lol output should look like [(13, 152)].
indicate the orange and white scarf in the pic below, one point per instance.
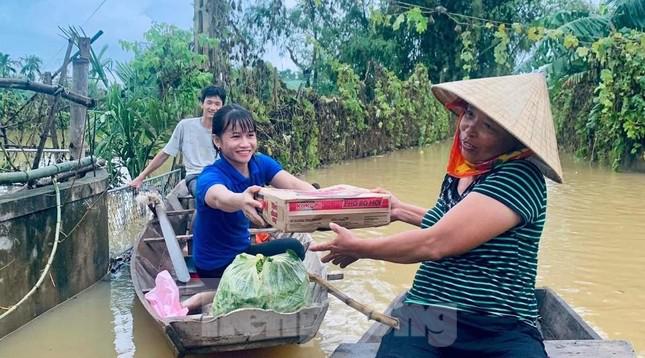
[(459, 167)]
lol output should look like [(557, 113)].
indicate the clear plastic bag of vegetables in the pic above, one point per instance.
[(277, 282)]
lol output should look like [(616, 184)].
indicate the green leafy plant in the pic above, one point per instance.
[(278, 283)]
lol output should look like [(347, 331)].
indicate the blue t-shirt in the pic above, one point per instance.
[(219, 236)]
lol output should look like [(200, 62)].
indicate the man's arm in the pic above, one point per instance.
[(154, 164), (173, 147)]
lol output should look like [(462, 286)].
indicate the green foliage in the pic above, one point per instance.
[(395, 35), (583, 54), (10, 101), (467, 55), (166, 65), (501, 49), (303, 129), (160, 86), (407, 111), (30, 67), (27, 67), (610, 118), (580, 27), (595, 75), (417, 20), (349, 89), (7, 65), (629, 14)]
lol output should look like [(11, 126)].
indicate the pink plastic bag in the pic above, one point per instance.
[(164, 298)]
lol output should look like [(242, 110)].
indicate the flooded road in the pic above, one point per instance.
[(591, 254)]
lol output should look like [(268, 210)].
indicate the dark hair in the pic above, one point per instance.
[(234, 116), (212, 91)]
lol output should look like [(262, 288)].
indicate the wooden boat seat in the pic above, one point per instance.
[(190, 288), (555, 349)]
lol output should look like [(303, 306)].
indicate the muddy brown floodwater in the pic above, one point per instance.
[(591, 253)]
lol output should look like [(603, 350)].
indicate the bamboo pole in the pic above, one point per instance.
[(51, 114), (47, 79), (364, 309), (6, 155), (26, 176), (51, 103), (62, 70), (79, 171), (78, 113), (15, 83)]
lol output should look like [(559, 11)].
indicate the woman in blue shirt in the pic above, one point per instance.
[(225, 201)]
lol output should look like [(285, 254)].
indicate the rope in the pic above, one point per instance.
[(51, 256)]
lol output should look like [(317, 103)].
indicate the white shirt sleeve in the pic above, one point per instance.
[(174, 144)]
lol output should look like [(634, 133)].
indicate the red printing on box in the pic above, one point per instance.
[(336, 204)]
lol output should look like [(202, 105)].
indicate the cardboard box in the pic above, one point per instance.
[(349, 206)]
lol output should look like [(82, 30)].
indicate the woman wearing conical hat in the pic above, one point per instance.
[(473, 293)]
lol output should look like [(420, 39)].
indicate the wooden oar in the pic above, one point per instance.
[(176, 256), (364, 309)]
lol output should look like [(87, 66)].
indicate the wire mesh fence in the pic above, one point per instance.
[(125, 217)]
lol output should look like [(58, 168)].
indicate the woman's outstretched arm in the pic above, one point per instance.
[(475, 220)]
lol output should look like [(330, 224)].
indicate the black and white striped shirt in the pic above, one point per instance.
[(498, 277)]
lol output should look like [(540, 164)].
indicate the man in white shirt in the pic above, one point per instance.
[(191, 137)]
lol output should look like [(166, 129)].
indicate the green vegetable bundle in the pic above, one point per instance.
[(279, 283)]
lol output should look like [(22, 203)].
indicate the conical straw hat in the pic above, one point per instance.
[(518, 103)]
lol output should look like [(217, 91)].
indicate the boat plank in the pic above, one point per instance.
[(589, 348), (555, 349)]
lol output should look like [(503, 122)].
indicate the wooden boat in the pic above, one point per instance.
[(565, 333), (237, 330)]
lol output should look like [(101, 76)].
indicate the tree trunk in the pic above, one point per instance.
[(211, 18), (314, 57)]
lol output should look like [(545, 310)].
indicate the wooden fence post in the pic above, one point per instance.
[(78, 113), (47, 79)]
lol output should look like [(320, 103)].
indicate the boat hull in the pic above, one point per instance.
[(565, 333), (238, 330)]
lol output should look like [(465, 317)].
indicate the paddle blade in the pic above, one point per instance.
[(174, 251)]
